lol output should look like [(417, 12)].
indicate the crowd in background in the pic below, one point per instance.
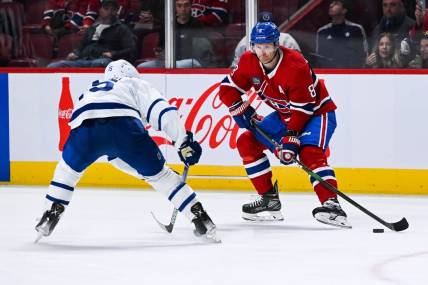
[(209, 33)]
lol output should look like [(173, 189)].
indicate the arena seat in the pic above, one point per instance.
[(67, 44), (12, 19), (150, 41), (42, 47), (34, 11), (5, 49)]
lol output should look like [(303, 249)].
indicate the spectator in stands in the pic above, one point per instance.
[(150, 19), (410, 45), (192, 49), (343, 42), (125, 13), (385, 53), (285, 40), (151, 15), (394, 21), (106, 40), (211, 12), (421, 61), (63, 17)]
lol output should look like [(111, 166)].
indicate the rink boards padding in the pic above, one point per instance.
[(378, 147), (208, 177)]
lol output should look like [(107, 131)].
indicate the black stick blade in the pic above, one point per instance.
[(400, 225)]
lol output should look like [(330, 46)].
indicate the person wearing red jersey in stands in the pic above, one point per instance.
[(210, 12), (302, 123), (62, 17)]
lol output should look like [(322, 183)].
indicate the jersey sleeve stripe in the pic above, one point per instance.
[(101, 106), (162, 113), (302, 110), (305, 108), (232, 84), (302, 104), (151, 107), (322, 103)]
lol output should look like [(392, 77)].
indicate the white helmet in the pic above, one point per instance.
[(118, 69)]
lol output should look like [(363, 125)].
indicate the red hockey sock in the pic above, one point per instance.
[(260, 174), (314, 158), (255, 162)]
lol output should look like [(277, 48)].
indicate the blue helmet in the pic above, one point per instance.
[(264, 33)]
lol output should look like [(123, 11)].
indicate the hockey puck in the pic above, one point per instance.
[(378, 230)]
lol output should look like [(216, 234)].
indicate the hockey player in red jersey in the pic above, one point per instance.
[(303, 122)]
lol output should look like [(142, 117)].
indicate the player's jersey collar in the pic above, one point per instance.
[(273, 71)]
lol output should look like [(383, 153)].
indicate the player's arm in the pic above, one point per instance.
[(162, 116), (232, 88)]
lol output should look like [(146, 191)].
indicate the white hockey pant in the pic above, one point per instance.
[(62, 185), (168, 183)]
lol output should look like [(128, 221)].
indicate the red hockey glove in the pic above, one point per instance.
[(242, 113), (289, 148)]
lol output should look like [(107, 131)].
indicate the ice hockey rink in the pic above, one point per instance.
[(109, 237)]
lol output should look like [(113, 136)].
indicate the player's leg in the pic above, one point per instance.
[(315, 139), (251, 148), (76, 157), (139, 155)]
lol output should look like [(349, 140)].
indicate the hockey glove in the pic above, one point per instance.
[(190, 151), (289, 148), (242, 113)]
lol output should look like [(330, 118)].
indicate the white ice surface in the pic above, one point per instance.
[(109, 237)]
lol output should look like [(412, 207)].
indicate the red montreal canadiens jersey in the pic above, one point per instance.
[(74, 9), (291, 88), (210, 12)]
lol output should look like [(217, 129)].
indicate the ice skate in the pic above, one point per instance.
[(266, 207), (49, 220), (331, 213), (204, 226)]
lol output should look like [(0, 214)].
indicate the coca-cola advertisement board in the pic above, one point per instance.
[(373, 109)]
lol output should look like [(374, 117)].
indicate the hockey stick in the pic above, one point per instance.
[(169, 227), (397, 226)]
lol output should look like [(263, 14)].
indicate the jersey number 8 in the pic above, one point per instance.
[(312, 91)]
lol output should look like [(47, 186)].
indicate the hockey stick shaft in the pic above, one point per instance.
[(171, 224), (398, 226)]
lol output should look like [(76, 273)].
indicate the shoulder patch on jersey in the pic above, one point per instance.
[(256, 80)]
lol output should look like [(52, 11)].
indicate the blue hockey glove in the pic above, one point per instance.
[(289, 148), (242, 113), (190, 151)]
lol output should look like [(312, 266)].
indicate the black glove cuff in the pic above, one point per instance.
[(291, 133)]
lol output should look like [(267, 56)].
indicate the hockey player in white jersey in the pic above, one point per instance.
[(110, 119)]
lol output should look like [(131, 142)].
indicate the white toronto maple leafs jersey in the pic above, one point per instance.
[(129, 97)]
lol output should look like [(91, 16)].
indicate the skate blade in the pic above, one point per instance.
[(211, 236), (340, 222), (266, 216), (39, 237)]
